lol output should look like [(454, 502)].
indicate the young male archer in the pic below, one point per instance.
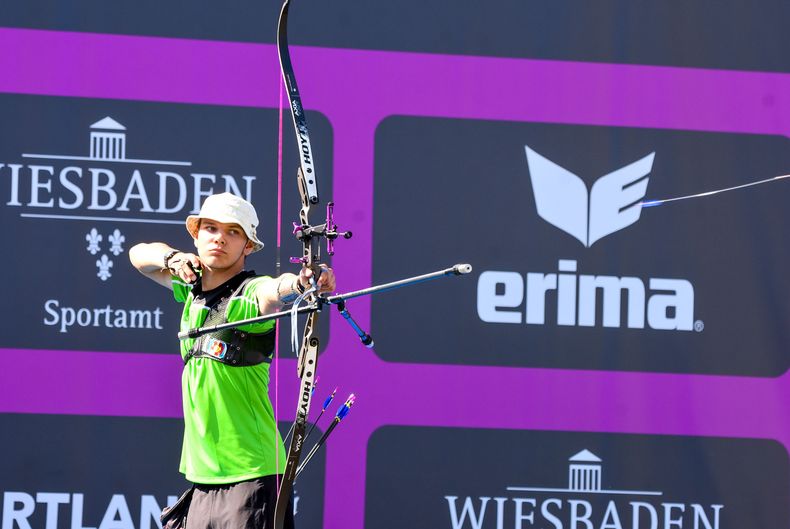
[(231, 449)]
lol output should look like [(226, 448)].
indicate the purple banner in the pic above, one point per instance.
[(339, 83)]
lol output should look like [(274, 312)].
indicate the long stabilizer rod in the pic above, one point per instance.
[(457, 270)]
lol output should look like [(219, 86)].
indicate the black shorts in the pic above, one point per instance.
[(244, 505)]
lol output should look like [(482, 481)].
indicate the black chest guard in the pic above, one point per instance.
[(232, 347)]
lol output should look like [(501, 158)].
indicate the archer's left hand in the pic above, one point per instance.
[(325, 283)]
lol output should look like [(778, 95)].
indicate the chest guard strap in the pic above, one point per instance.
[(232, 347)]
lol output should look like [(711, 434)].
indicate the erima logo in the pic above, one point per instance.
[(611, 205), (666, 304), (583, 504), (581, 299)]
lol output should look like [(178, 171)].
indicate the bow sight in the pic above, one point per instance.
[(305, 233)]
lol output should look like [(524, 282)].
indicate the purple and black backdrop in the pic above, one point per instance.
[(603, 366)]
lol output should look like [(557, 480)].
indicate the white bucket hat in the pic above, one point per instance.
[(227, 208)]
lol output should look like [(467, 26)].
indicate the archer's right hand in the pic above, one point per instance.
[(185, 266)]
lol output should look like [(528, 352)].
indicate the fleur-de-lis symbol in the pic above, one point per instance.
[(104, 264), (93, 239), (116, 239)]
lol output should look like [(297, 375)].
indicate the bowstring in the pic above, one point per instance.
[(277, 268), (652, 203)]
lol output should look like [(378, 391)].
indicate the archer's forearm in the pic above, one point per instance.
[(280, 291), (149, 257)]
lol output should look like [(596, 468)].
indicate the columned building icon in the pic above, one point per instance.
[(584, 474), (108, 141)]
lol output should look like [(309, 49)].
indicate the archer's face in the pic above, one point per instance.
[(222, 246)]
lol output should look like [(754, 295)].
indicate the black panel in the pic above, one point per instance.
[(65, 280), (117, 468), (745, 481), (464, 194)]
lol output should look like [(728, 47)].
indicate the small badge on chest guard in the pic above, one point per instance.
[(216, 348)]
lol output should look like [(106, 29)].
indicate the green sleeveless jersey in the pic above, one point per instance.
[(230, 433)]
